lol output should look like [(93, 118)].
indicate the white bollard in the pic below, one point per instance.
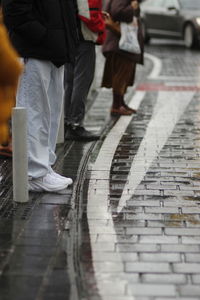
[(20, 157)]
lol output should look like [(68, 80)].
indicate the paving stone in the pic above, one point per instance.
[(178, 193), (127, 223), (118, 237), (177, 298), (191, 210), (161, 210), (115, 257), (192, 257), (144, 267), (162, 187), (151, 290), (193, 223), (166, 223), (181, 203), (117, 297), (144, 231), (144, 216), (192, 268), (143, 203), (106, 229), (147, 192), (191, 240), (132, 278), (189, 188), (137, 248), (189, 290), (174, 279), (160, 257), (182, 231), (196, 279), (192, 218), (160, 239), (180, 248)]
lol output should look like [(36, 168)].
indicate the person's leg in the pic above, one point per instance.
[(131, 82), (83, 76), (55, 94), (68, 89), (123, 75), (77, 82), (32, 94)]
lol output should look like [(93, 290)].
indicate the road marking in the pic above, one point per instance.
[(157, 66), (167, 87), (167, 111)]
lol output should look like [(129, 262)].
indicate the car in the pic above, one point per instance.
[(174, 19)]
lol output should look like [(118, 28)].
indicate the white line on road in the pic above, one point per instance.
[(168, 109), (157, 66)]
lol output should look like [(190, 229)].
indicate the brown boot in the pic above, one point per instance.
[(134, 111), (121, 111), (119, 107)]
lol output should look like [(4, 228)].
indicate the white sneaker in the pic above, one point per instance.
[(56, 175), (47, 183)]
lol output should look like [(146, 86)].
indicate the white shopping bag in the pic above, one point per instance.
[(129, 37)]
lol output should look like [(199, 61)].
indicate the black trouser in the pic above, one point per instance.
[(77, 81)]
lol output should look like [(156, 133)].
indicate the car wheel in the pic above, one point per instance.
[(145, 34), (189, 38)]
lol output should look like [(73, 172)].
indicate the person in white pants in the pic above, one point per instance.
[(42, 80), (44, 33)]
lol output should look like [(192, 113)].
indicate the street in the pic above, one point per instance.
[(129, 228)]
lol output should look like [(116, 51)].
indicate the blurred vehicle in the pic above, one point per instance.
[(174, 19)]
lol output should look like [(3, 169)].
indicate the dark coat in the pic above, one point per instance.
[(122, 11), (42, 29)]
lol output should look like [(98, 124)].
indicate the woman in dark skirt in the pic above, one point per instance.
[(120, 66)]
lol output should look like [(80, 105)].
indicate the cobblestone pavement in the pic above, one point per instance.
[(130, 229)]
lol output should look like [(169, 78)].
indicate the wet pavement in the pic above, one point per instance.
[(130, 227)]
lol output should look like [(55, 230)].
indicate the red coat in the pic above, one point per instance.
[(95, 22)]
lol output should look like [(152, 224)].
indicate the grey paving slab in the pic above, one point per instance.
[(190, 290), (152, 290), (164, 278)]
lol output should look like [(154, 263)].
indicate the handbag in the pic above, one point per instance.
[(129, 37)]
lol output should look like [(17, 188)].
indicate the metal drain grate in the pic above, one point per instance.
[(9, 209)]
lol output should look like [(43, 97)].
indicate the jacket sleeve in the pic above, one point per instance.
[(10, 67), (122, 12), (19, 18)]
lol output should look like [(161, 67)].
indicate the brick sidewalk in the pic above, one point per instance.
[(147, 246)]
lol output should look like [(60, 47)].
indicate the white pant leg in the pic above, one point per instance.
[(56, 96), (33, 93)]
